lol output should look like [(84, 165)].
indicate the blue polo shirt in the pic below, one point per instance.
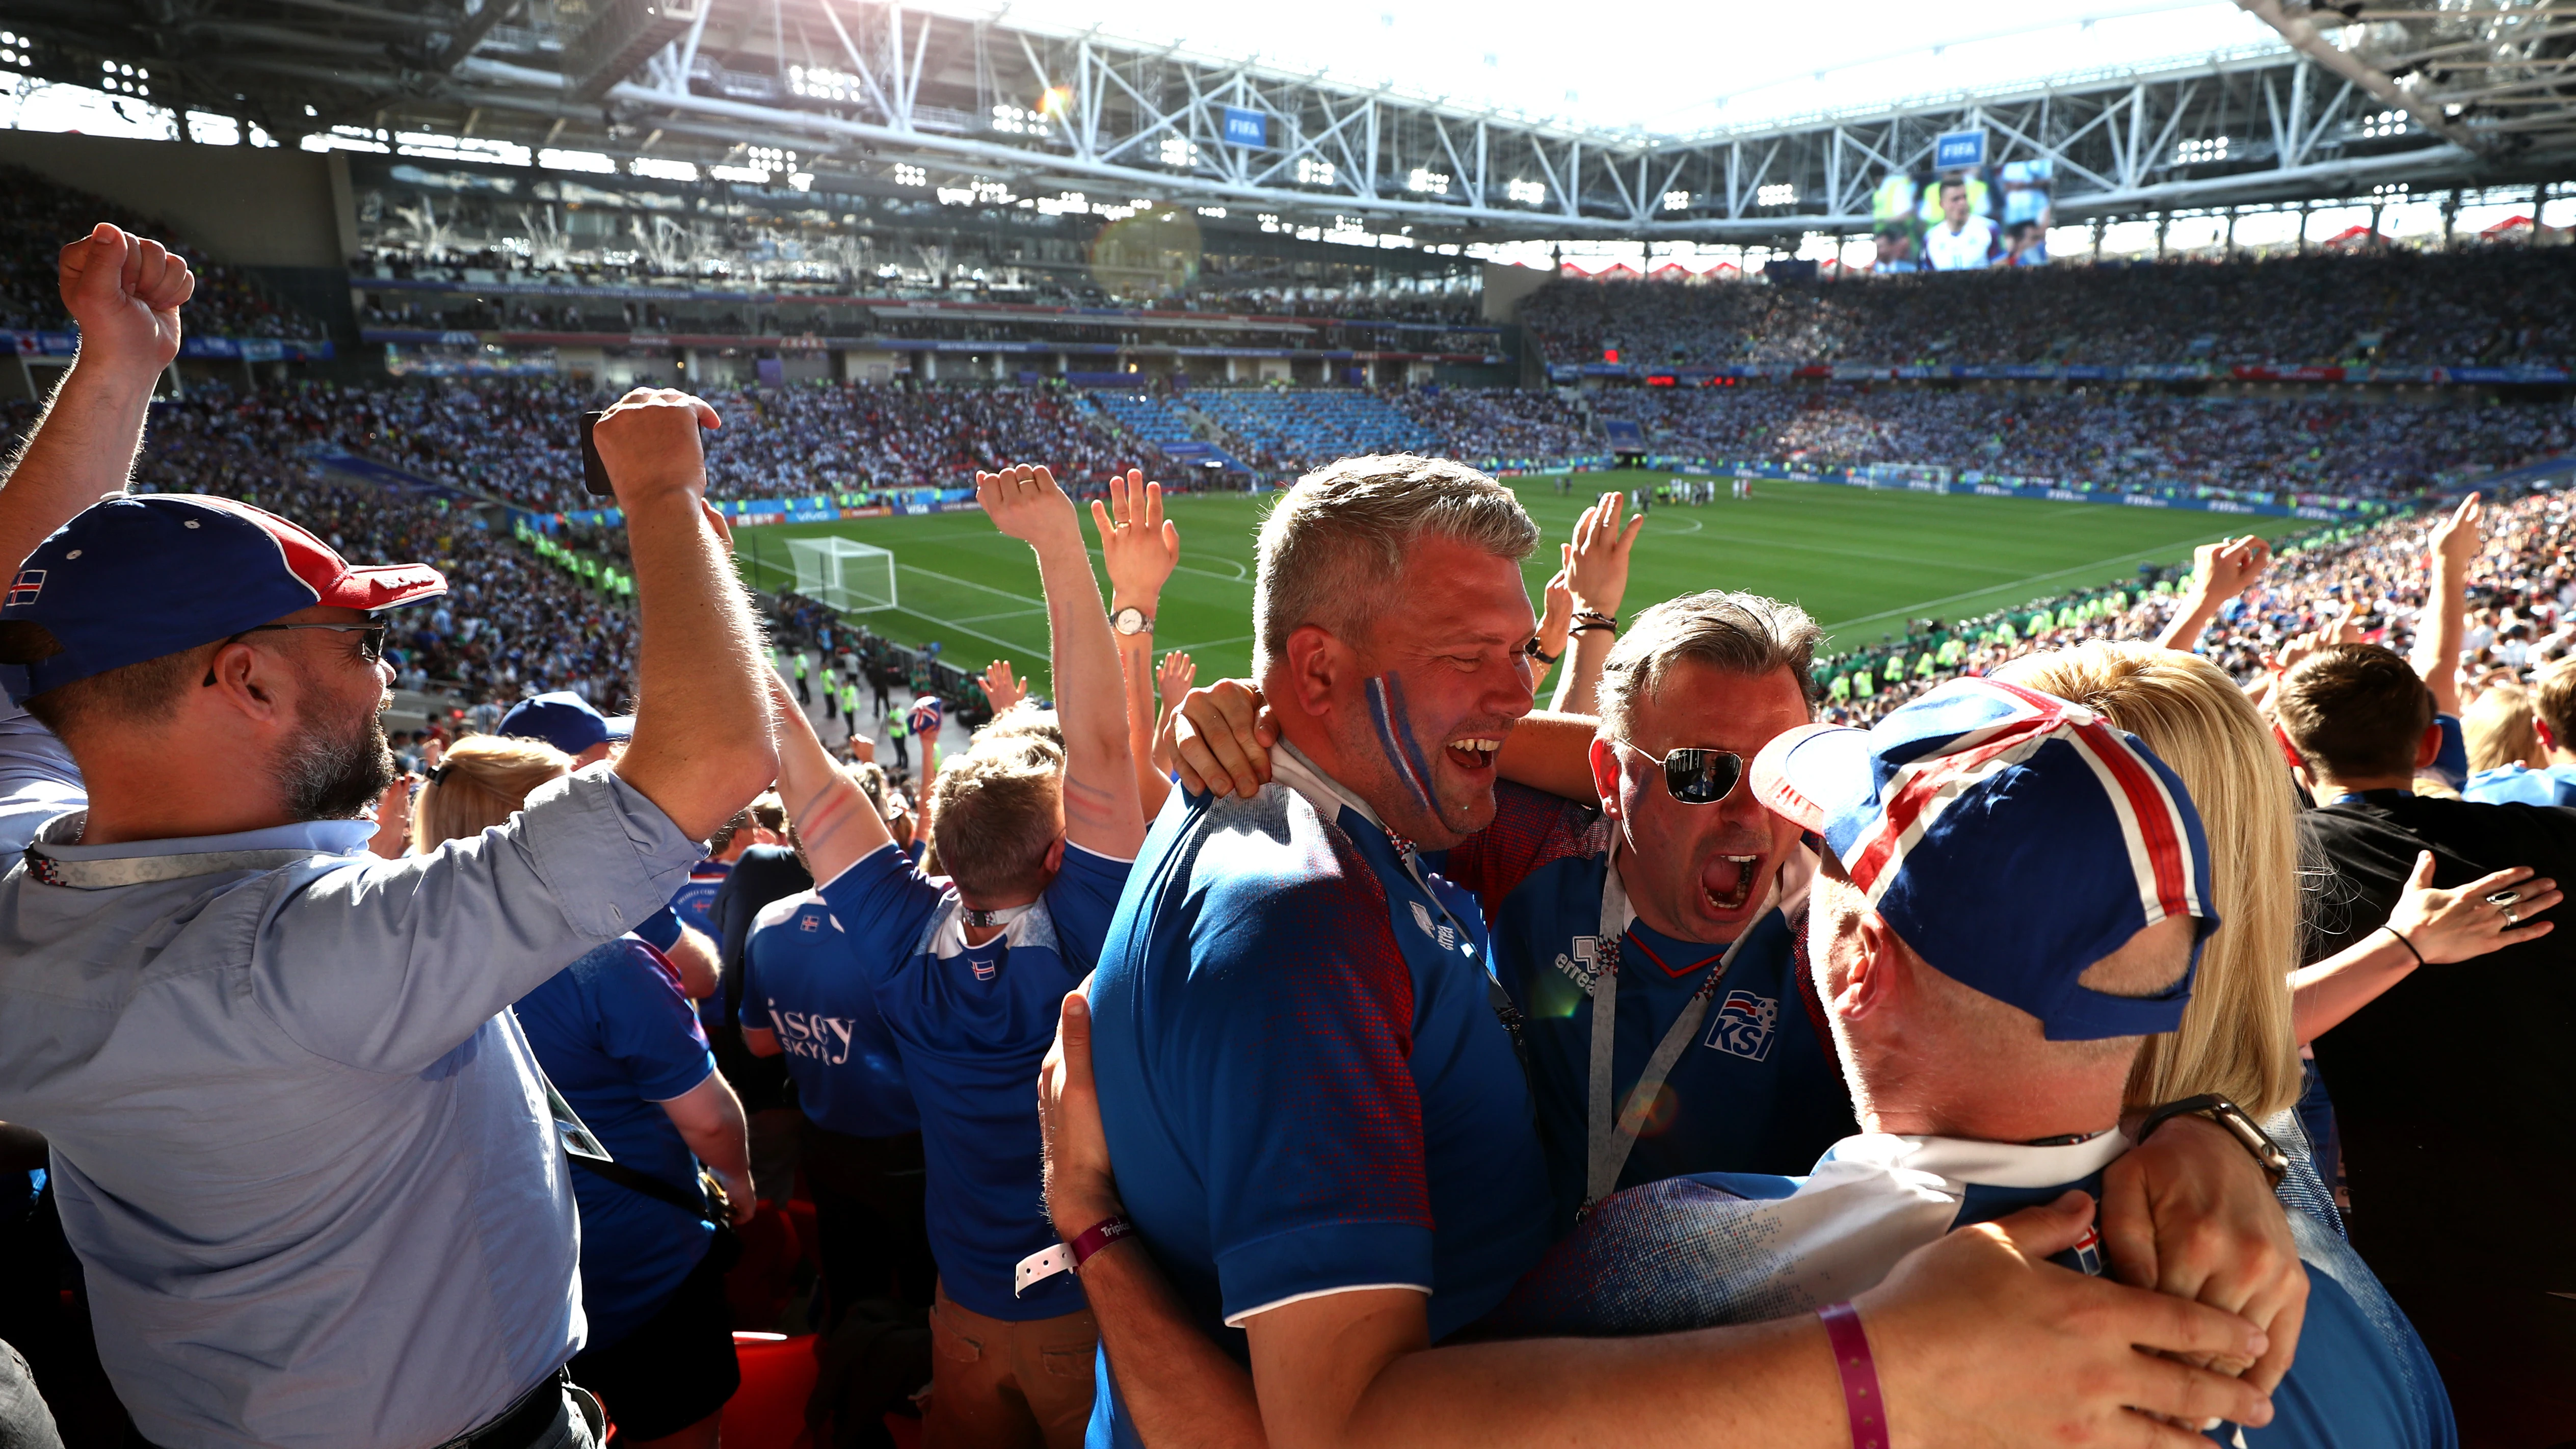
[(973, 1022), (1759, 1091), (846, 1063), (1300, 1073), (1726, 1248), (618, 1039), (694, 903)]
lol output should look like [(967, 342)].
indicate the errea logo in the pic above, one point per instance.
[(1581, 961)]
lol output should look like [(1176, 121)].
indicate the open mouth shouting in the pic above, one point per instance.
[(1728, 881), (1473, 754)]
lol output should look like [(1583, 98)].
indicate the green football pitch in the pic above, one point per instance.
[(1861, 561)]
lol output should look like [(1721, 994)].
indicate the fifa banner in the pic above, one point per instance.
[(194, 345), (1965, 214), (755, 512)]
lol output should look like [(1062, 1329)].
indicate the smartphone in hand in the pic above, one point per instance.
[(594, 473)]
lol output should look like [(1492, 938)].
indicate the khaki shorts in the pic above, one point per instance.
[(999, 1385)]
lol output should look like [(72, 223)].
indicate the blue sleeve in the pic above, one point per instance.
[(1308, 1131), (1083, 897), (2451, 765), (661, 930), (648, 1027), (882, 903)]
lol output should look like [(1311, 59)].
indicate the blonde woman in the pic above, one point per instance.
[(2253, 1005), (621, 1041)]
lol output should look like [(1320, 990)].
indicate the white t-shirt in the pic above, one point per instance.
[(1962, 250)]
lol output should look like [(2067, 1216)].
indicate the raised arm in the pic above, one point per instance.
[(2455, 545), (1172, 679), (1101, 813), (1140, 548), (835, 825), (702, 745), (1596, 569), (2219, 572), (125, 292)]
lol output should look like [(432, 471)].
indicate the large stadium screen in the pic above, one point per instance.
[(1964, 219)]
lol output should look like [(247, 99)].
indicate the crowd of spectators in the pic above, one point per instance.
[(2486, 306), (2370, 582), (2279, 445), (41, 213)]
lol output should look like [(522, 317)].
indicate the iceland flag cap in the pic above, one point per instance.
[(135, 577), (2011, 838)]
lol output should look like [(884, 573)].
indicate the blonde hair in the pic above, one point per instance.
[(995, 811), (2236, 1036), (480, 783), (2500, 729)]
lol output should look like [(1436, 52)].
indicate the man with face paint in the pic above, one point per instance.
[(1300, 1075)]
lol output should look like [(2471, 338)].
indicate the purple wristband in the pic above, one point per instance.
[(1859, 1375)]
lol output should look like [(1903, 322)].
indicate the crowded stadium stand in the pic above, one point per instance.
[(777, 890)]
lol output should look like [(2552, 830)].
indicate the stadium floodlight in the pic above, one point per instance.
[(1527, 193), (1426, 179), (1312, 172), (1778, 193), (626, 31), (1676, 201), (843, 573)]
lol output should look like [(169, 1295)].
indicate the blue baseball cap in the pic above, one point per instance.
[(566, 721), (140, 576), (2011, 838)]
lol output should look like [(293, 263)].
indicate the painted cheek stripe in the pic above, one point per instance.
[(1386, 703)]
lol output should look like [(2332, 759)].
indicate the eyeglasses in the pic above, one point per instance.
[(1697, 776), (371, 638)]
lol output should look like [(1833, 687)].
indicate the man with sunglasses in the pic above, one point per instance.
[(298, 1141), (1670, 905)]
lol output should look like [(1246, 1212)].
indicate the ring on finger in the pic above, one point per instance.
[(2502, 898)]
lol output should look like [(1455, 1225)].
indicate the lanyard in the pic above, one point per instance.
[(1608, 1144)]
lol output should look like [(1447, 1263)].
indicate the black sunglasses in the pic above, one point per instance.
[(371, 638), (1697, 776)]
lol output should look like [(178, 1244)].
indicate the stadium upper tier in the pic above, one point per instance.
[(39, 217), (2488, 306)]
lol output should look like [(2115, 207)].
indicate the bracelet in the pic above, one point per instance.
[(1595, 626), (1595, 616), (2409, 945), (1545, 660), (1859, 1373), (1065, 1257), (1099, 1235)]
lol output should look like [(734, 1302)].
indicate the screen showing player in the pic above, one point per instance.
[(1960, 236)]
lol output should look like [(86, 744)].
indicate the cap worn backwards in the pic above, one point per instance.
[(564, 720), (2011, 838), (138, 577)]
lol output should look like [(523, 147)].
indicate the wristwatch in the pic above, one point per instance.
[(2267, 1154), (1131, 620)]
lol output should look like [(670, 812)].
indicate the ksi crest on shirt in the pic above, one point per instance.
[(1744, 1025)]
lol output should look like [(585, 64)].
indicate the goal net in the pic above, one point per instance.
[(848, 575)]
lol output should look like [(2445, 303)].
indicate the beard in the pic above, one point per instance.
[(335, 773)]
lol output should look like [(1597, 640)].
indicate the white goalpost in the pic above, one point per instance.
[(844, 573)]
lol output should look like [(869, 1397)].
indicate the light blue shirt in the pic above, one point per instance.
[(2518, 784), (299, 1143), (38, 780)]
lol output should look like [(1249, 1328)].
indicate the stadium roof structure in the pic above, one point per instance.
[(971, 108)]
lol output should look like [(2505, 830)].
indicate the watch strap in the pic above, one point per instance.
[(2232, 1119)]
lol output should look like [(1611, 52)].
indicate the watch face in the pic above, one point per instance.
[(1130, 620)]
